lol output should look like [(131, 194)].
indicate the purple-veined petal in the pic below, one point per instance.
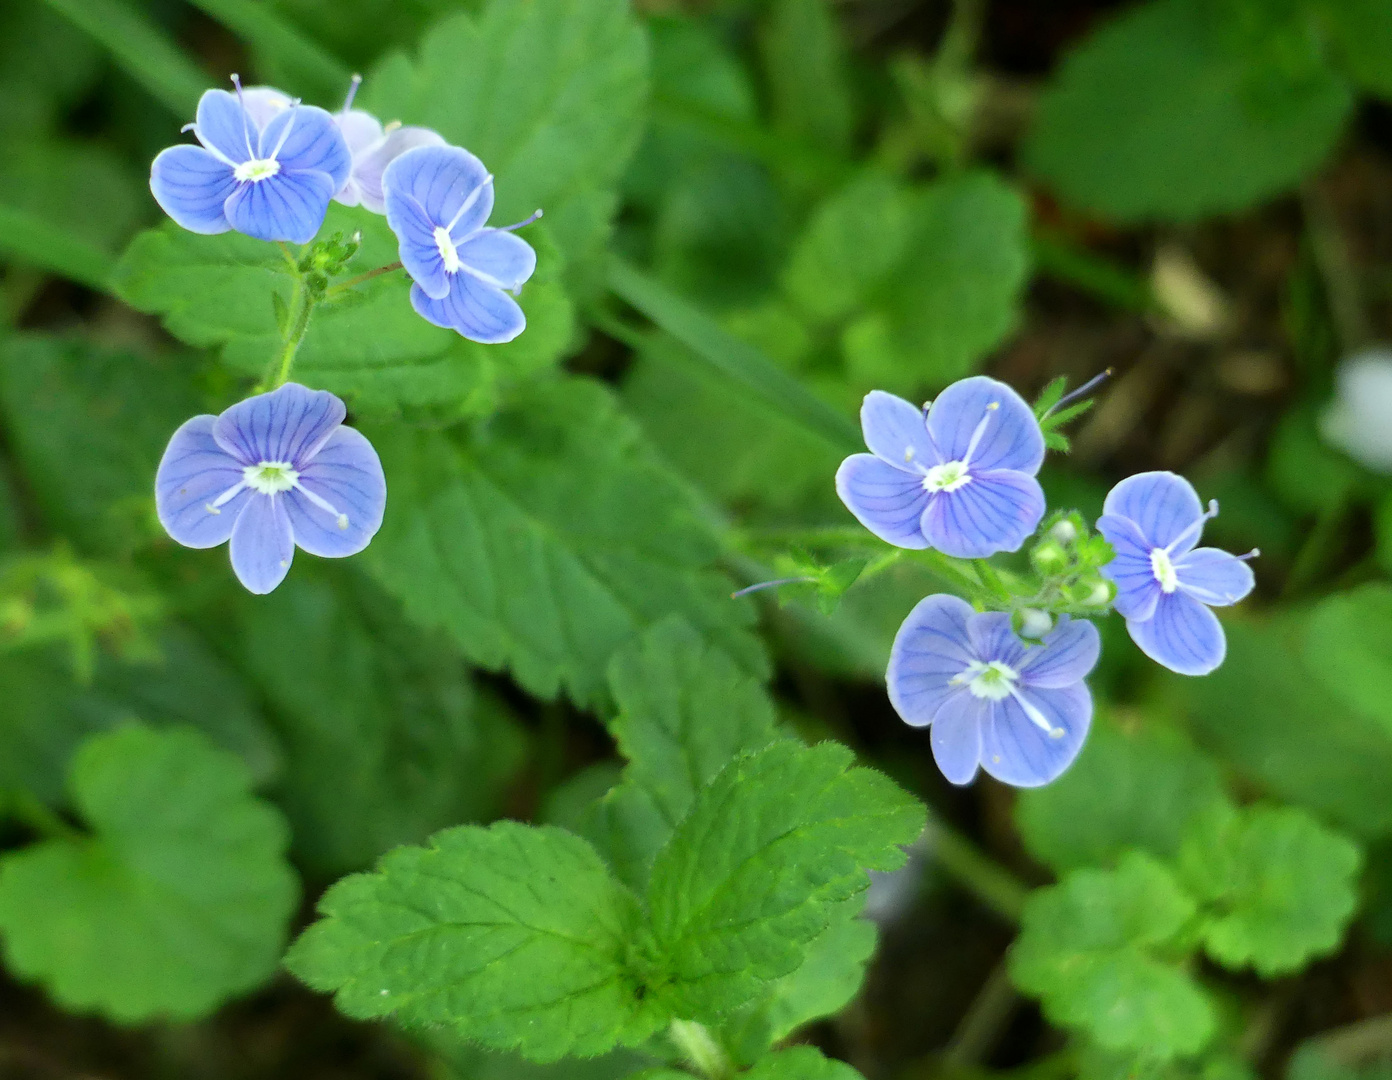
[(193, 472), (372, 163), (261, 104), (1214, 576), (441, 179), (896, 432), (289, 424), (503, 256), (887, 501), (347, 475), (360, 130), (995, 511), (1138, 589), (420, 252), (992, 638), (1182, 635), (1017, 751), (262, 546), (929, 651), (289, 206), (1064, 657), (956, 736), (192, 186), (1011, 439), (224, 127), (313, 143), (478, 311), (1162, 504)]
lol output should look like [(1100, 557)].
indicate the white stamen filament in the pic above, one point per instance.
[(951, 475), (525, 221), (1037, 718), (227, 496), (1192, 532), (271, 478), (323, 504), (352, 93), (468, 202), (996, 681), (289, 124), (980, 431)]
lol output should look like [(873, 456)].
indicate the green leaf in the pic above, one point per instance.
[(1163, 115), (1087, 950), (805, 64), (1279, 886), (800, 1063), (1361, 31), (754, 872), (284, 56), (177, 901), (1348, 647), (1128, 789), (386, 737), (513, 936), (548, 539)]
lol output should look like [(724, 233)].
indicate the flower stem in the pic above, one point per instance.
[(301, 306), (700, 1049), (353, 282)]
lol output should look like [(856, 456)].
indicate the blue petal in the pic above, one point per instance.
[(440, 179), (361, 131), (288, 206), (419, 251), (1138, 589), (1011, 440), (288, 424), (347, 474), (896, 432), (887, 501), (992, 638), (503, 256), (929, 651), (1064, 657), (475, 309), (1214, 577), (191, 186), (262, 103), (1161, 504), (956, 736), (224, 127), (194, 471), (996, 511), (262, 545), (1016, 751), (372, 163), (1182, 635), (314, 144)]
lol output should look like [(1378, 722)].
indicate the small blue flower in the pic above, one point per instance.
[(957, 476), (438, 199), (1020, 712), (267, 167), (272, 472), (374, 148), (1165, 585)]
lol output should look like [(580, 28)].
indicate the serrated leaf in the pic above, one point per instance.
[(546, 540), (1280, 886), (1348, 647), (754, 871), (800, 1063), (514, 936), (1086, 950), (1127, 790), (177, 901), (1160, 115)]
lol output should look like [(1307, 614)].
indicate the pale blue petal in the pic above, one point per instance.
[(476, 310), (1214, 577), (1182, 635), (503, 256), (1065, 656), (289, 206), (992, 638), (1016, 751), (223, 126), (372, 163), (419, 251), (887, 501), (314, 144), (192, 186), (288, 424), (347, 474), (996, 511), (194, 471), (1138, 589), (956, 736), (1011, 440), (361, 131), (262, 546), (896, 432), (440, 179), (261, 104), (929, 651), (1161, 504)]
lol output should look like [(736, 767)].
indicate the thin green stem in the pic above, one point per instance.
[(343, 286), (301, 306), (700, 1049), (978, 873)]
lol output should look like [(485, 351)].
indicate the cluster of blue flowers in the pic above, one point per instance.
[(959, 476)]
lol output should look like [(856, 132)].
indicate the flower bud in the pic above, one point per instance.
[(1065, 532), (1035, 623)]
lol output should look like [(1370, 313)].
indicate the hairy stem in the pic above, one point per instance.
[(353, 282), (700, 1049)]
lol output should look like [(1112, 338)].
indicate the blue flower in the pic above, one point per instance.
[(272, 472), (438, 199), (1165, 585), (267, 167), (374, 148), (958, 477), (1020, 712)]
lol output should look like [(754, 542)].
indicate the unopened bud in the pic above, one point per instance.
[(1065, 532), (1050, 556), (1101, 594), (1035, 623)]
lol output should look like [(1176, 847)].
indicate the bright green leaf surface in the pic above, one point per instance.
[(806, 69), (1348, 647), (800, 1063), (178, 901)]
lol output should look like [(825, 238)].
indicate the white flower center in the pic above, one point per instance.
[(949, 476), (256, 169), (269, 477), (448, 252), (994, 681), (1164, 570)]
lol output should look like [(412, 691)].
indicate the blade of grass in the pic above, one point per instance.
[(36, 243), (313, 69), (731, 357)]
